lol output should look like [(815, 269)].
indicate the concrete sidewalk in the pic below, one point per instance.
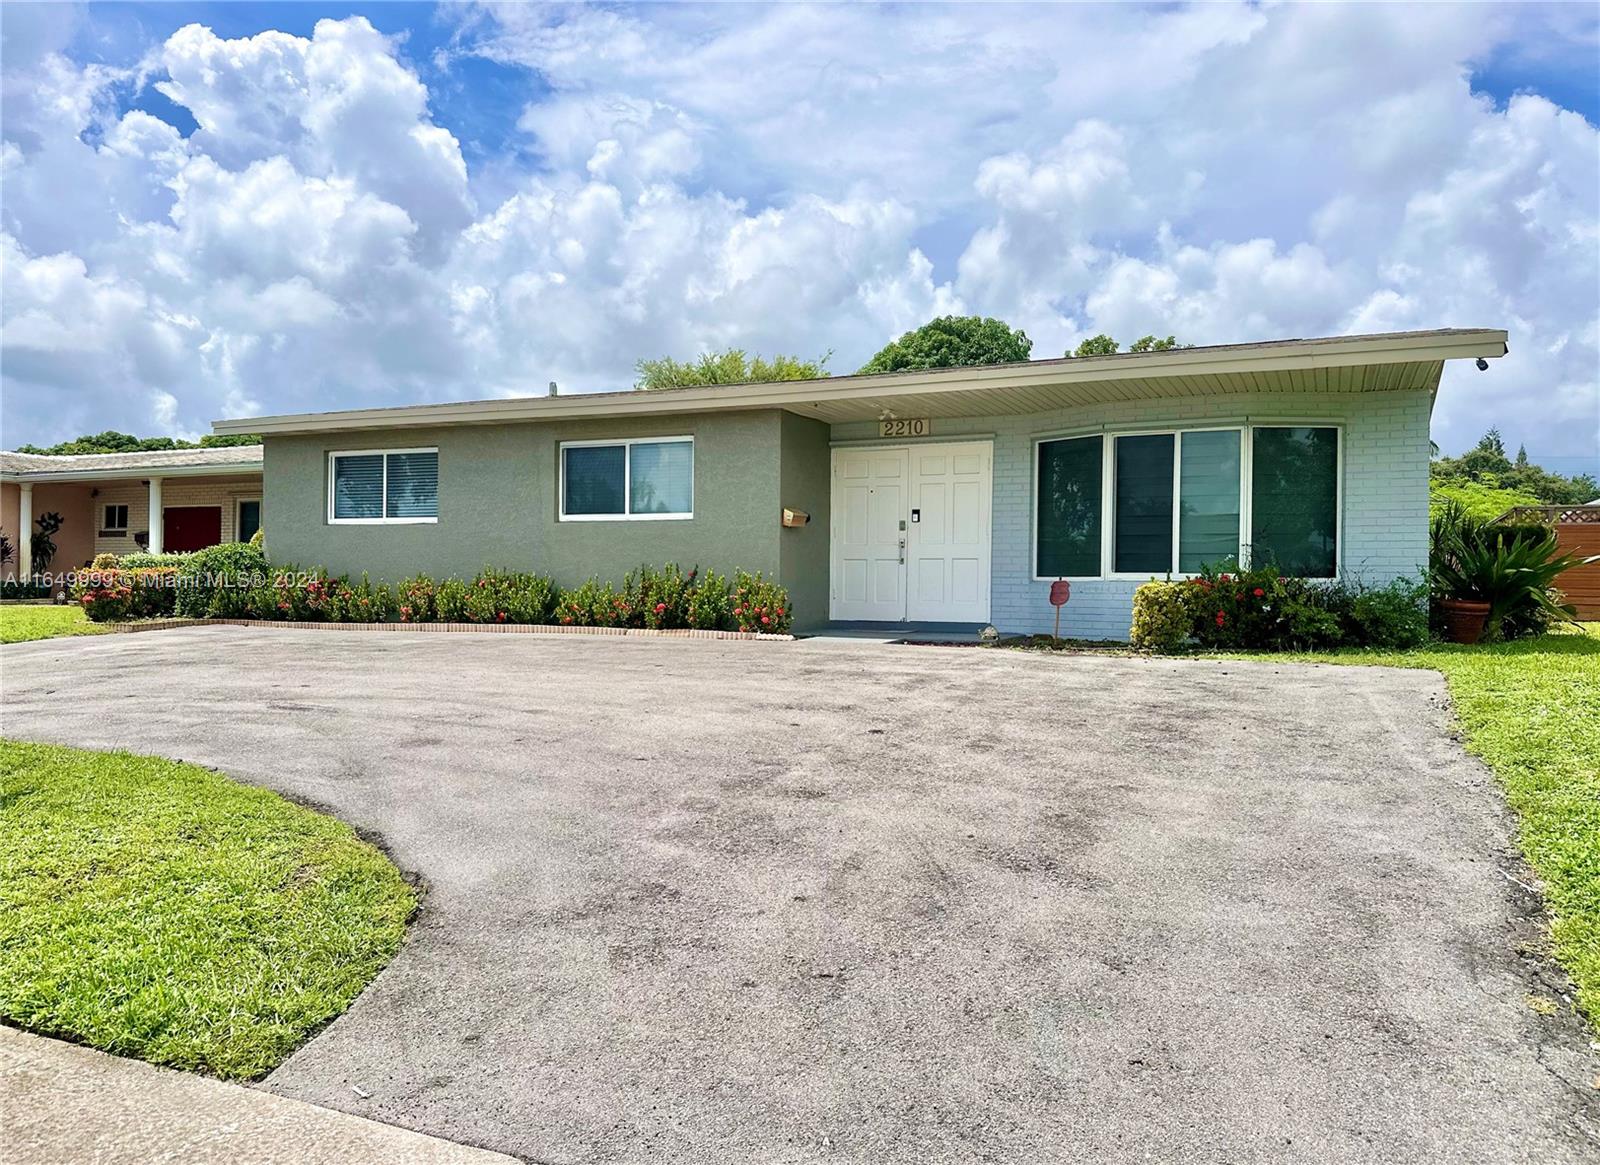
[(61, 1105)]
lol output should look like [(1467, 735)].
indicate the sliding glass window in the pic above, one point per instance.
[(1294, 500), (1067, 508)]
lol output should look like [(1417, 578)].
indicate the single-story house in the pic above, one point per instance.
[(203, 497), (949, 496)]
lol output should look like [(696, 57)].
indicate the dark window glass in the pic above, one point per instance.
[(1068, 506), (1208, 499), (249, 521), (1294, 501), (595, 479), (1143, 523)]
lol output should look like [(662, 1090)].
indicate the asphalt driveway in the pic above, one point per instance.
[(702, 901)]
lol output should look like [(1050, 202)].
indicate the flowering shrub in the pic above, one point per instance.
[(665, 597), (507, 597), (760, 604), (111, 596), (1228, 608), (661, 597)]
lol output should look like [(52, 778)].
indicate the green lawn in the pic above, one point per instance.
[(1531, 710), (20, 623), (157, 909)]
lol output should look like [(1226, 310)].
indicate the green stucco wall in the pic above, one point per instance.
[(804, 484), (499, 504)]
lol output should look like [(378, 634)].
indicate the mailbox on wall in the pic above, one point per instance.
[(795, 517)]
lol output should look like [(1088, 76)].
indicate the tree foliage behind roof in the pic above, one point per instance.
[(1487, 465), (730, 367), (953, 342), (1104, 345), (112, 441)]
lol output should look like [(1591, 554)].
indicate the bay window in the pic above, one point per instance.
[(1137, 505), (648, 478)]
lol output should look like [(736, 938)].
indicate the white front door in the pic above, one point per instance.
[(947, 553), (868, 535), (910, 537)]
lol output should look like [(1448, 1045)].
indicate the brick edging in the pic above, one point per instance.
[(498, 628)]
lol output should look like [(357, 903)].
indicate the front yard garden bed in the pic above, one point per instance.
[(157, 909)]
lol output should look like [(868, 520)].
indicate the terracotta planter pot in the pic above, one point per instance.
[(1464, 619)]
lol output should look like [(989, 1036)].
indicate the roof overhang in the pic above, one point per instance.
[(1389, 362), (129, 473)]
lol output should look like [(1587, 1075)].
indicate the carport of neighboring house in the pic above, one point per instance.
[(106, 502)]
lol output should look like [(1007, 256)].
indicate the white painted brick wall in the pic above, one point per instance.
[(1385, 529)]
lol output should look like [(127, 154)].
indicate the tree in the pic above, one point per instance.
[(953, 342), (730, 367), (1486, 465), (1101, 345), (1104, 345), (112, 441)]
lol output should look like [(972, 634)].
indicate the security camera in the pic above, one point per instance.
[(1483, 365)]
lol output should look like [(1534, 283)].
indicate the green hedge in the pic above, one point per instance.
[(234, 581)]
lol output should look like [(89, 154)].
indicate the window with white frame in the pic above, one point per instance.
[(116, 520), (371, 486), (644, 479), (1141, 504)]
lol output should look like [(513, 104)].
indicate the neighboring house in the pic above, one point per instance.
[(949, 496), (203, 497)]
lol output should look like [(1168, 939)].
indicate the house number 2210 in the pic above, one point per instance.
[(904, 427)]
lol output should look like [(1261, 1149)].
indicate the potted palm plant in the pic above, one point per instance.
[(1490, 581)]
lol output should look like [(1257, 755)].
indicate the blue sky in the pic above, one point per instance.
[(224, 209)]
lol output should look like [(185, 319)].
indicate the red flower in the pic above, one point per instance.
[(738, 610), (1259, 592), (1220, 618), (1223, 578), (764, 619), (780, 611), (660, 607), (501, 616)]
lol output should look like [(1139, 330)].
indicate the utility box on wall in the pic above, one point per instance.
[(795, 517)]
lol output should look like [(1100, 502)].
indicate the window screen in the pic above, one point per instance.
[(1294, 500), (1208, 499), (1142, 529), (1068, 508)]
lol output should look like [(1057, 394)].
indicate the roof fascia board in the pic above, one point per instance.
[(129, 473), (1276, 357)]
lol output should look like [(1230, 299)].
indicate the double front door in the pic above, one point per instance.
[(910, 537)]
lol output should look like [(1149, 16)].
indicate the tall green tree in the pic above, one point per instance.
[(730, 367), (953, 342)]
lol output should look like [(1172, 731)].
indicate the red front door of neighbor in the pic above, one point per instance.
[(190, 528)]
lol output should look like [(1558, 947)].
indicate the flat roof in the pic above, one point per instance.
[(1386, 361)]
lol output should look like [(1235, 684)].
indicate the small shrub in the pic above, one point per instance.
[(258, 540), (418, 599), (710, 607), (139, 560), (215, 582), (1163, 619), (1394, 615), (113, 596), (1259, 609), (509, 597), (103, 562), (760, 604), (450, 601), (662, 597)]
